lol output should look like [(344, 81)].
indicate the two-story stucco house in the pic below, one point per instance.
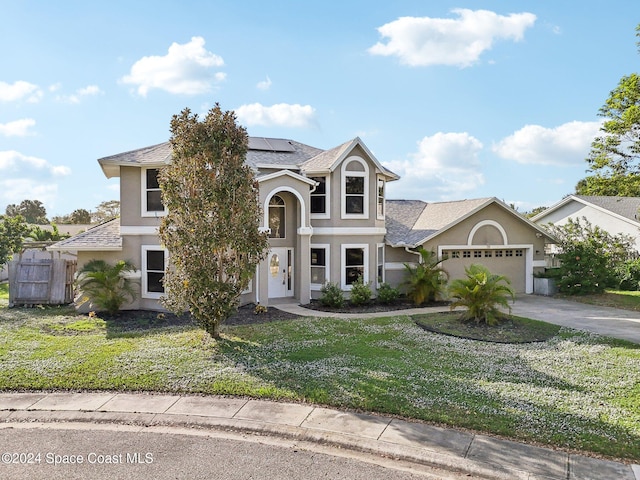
[(328, 220)]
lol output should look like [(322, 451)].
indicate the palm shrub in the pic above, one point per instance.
[(105, 285), (426, 281), (482, 293)]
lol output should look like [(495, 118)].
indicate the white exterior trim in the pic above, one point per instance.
[(327, 203), (351, 231), (484, 223), (143, 195), (528, 257), (344, 173), (275, 191), (343, 263), (143, 271), (327, 259), (138, 230)]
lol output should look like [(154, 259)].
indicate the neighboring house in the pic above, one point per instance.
[(328, 220), (615, 215)]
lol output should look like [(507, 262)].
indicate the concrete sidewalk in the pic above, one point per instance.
[(478, 456)]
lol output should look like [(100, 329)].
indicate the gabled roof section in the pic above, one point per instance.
[(329, 160), (105, 236), (410, 226), (155, 155), (288, 173), (622, 207), (263, 153)]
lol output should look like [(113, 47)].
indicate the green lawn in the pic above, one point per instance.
[(611, 298), (575, 390)]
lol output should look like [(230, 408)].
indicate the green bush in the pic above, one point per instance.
[(360, 292), (589, 257), (628, 275), (387, 294), (332, 295)]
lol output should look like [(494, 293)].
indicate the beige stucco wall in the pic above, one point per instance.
[(487, 236)]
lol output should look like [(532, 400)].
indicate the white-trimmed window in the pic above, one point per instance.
[(380, 264), (380, 199), (355, 264), (276, 217), (151, 197), (319, 265), (320, 198), (154, 262), (355, 188)]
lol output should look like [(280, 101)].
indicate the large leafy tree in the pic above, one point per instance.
[(33, 211), (212, 226), (12, 232), (614, 159), (106, 211)]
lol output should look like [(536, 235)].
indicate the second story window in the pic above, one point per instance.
[(355, 193), (380, 211), (151, 196), (320, 197)]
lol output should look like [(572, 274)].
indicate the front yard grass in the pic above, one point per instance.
[(627, 300), (575, 390)]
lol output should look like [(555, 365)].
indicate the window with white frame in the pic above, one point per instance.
[(154, 261), (320, 198), (355, 259), (319, 265), (151, 196), (276, 217), (355, 193), (380, 264), (380, 200)]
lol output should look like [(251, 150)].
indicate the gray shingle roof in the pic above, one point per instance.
[(624, 206), (411, 222), (105, 236)]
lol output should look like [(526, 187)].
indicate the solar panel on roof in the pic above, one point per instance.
[(270, 144)]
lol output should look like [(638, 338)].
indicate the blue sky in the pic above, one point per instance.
[(463, 99)]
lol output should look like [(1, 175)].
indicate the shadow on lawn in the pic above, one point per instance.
[(446, 395)]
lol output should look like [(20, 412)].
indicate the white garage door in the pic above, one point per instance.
[(509, 262)]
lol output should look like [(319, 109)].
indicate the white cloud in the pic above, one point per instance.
[(185, 69), (17, 128), (281, 115), (445, 166), (15, 190), (20, 90), (15, 163), (265, 84), (567, 144), (424, 41), (23, 176), (88, 91)]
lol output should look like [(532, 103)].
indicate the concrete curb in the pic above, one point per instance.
[(475, 455)]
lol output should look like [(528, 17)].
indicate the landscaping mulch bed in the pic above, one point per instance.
[(373, 306)]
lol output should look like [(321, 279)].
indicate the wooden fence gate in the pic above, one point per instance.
[(41, 282)]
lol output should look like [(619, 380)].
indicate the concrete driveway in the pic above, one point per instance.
[(613, 322)]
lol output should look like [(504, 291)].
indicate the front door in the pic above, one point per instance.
[(281, 272)]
